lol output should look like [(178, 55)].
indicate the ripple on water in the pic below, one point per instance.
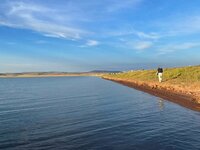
[(90, 113)]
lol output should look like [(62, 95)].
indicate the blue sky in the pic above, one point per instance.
[(84, 35)]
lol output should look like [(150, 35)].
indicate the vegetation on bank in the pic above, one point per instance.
[(183, 75)]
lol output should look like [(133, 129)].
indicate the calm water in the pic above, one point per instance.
[(89, 113)]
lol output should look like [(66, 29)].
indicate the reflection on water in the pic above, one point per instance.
[(160, 103), (88, 113)]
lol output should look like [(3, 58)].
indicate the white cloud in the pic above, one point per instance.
[(177, 47), (131, 31), (59, 21), (147, 35), (188, 25), (92, 43), (143, 45), (16, 7), (140, 45), (40, 19), (179, 25)]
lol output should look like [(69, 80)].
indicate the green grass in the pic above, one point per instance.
[(185, 75)]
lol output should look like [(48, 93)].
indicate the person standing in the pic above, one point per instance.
[(160, 74)]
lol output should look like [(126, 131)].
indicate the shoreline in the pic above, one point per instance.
[(46, 76), (188, 100)]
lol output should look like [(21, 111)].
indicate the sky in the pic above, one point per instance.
[(85, 35)]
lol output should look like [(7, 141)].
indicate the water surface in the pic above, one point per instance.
[(90, 113)]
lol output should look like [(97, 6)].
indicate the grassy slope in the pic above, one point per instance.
[(184, 76)]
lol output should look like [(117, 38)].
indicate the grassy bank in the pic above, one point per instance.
[(180, 76), (184, 81)]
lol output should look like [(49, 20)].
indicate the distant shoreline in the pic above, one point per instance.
[(37, 76), (55, 74), (43, 74)]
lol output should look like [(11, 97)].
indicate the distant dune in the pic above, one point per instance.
[(55, 74)]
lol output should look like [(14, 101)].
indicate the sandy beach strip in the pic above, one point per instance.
[(47, 75)]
